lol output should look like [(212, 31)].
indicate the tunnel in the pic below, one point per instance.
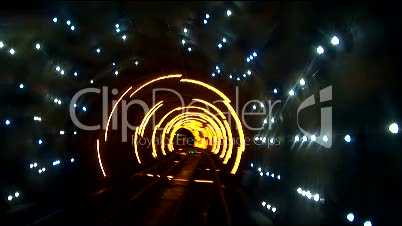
[(200, 113)]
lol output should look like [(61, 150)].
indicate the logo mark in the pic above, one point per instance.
[(325, 137)]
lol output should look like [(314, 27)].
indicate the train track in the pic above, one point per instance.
[(184, 189)]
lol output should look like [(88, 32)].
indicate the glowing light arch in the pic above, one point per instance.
[(209, 130)]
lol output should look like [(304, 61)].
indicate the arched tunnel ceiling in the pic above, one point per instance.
[(211, 102), (363, 70)]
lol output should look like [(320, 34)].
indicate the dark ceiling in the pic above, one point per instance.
[(364, 70)]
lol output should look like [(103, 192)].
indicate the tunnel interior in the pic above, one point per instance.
[(291, 111)]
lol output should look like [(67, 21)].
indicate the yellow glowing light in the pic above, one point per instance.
[(111, 113), (242, 145), (148, 116), (203, 125), (154, 80), (136, 148), (180, 179), (239, 127), (212, 106), (99, 158), (229, 141), (204, 181), (189, 115), (218, 134), (192, 125), (141, 128)]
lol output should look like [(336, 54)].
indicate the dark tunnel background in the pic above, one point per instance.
[(362, 176)]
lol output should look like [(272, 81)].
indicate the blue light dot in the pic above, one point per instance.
[(350, 217), (367, 223)]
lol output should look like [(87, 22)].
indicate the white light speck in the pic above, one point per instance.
[(335, 41), (313, 138), (55, 20), (37, 46), (291, 92), (320, 50), (393, 128), (12, 51), (228, 12), (68, 22)]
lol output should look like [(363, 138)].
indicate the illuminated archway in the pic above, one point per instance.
[(198, 120)]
